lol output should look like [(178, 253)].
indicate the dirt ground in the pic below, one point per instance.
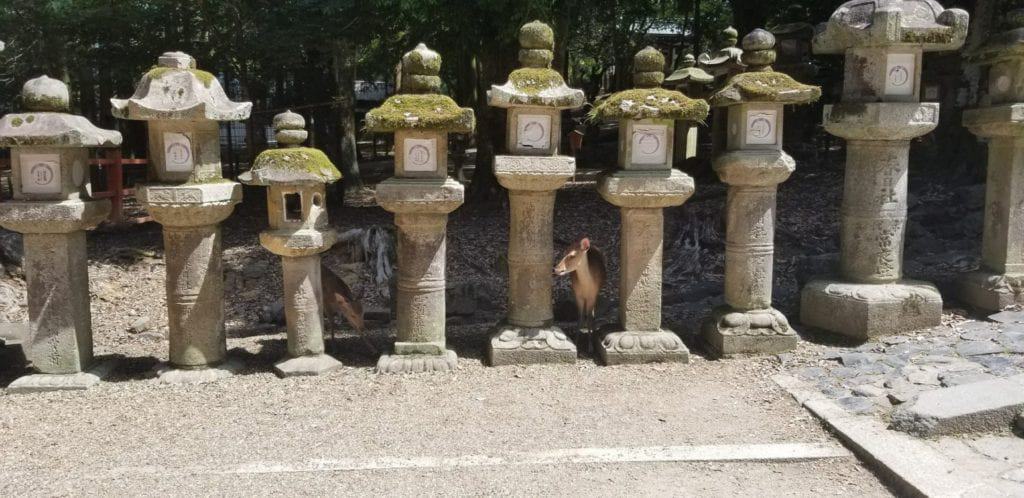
[(72, 443)]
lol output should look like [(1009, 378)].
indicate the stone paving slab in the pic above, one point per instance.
[(916, 467), (989, 405)]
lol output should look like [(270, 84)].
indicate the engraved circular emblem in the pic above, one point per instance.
[(41, 173), (649, 143), (899, 76), (78, 173), (760, 128), (419, 155), (534, 132), (178, 154)]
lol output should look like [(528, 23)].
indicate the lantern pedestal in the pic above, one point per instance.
[(527, 335), (421, 208), (642, 197), (871, 298), (1000, 281), (748, 323), (191, 216), (59, 343), (303, 299)]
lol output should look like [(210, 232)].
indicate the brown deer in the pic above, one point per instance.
[(339, 300), (585, 265)]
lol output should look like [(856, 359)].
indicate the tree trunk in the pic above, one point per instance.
[(484, 186), (564, 9), (345, 56)]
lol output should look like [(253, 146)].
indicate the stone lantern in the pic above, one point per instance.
[(753, 165), (534, 95), (880, 113), (421, 195), (643, 185), (1000, 120), (52, 208), (723, 64), (296, 177), (187, 194), (692, 81)]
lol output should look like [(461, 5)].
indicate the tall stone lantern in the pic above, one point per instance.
[(694, 82), (1000, 120), (753, 165), (52, 208), (643, 185), (187, 194), (296, 177), (532, 171), (880, 113), (421, 195)]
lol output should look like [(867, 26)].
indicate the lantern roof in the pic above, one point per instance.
[(291, 163), (760, 83), (536, 84), (649, 100), (883, 23), (47, 123), (421, 106)]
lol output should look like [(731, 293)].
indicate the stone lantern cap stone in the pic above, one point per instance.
[(175, 89), (46, 126), (761, 84), (420, 106), (687, 73), (884, 23), (729, 54), (536, 84), (650, 101), (290, 164)]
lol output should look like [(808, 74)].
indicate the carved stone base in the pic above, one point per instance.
[(305, 366), (868, 310), (635, 347), (729, 332), (991, 291), (512, 345), (169, 374), (63, 382), (417, 363)]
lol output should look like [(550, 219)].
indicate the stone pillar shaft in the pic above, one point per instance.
[(57, 277), (640, 251), (749, 247), (303, 307), (195, 295), (530, 247), (874, 211), (1002, 249), (421, 282)]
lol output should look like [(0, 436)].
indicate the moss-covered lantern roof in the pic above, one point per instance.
[(687, 73), (420, 106), (536, 84), (1003, 45), (886, 23), (291, 163), (648, 100), (47, 123), (760, 83), (175, 89)]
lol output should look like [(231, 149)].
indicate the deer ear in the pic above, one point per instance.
[(585, 244)]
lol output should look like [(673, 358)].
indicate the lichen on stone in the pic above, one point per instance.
[(157, 72), (420, 112), (44, 103), (943, 37), (532, 81), (292, 165), (764, 86), (647, 103)]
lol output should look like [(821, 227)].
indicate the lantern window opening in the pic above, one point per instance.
[(293, 206)]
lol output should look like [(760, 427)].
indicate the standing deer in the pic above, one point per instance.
[(586, 266), (339, 300)]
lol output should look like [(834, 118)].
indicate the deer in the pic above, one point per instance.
[(339, 300), (585, 265)]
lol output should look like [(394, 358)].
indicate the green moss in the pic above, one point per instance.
[(30, 118), (44, 103), (295, 163), (648, 60), (415, 63), (532, 81), (16, 122), (420, 112), (158, 72), (943, 37), (765, 86), (536, 35), (650, 103)]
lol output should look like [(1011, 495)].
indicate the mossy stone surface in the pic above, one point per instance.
[(424, 62), (536, 35), (650, 103), (532, 81), (420, 112), (204, 77), (764, 86), (291, 165), (536, 58), (649, 59), (648, 79)]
